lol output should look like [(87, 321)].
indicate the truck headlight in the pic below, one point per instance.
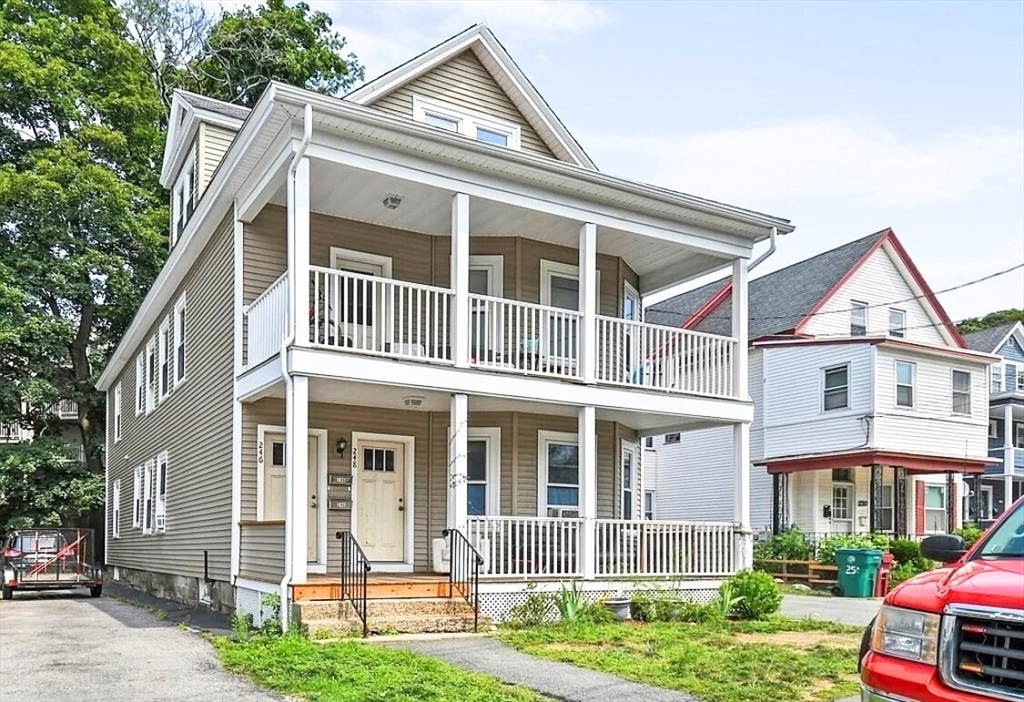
[(906, 633)]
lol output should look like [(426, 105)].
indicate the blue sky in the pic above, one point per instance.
[(844, 117)]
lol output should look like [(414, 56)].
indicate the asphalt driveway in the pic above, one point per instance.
[(56, 647)]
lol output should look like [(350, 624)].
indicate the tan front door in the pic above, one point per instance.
[(381, 485)]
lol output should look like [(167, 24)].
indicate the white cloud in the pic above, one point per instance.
[(824, 156)]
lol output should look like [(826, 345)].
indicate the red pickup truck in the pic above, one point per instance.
[(956, 633)]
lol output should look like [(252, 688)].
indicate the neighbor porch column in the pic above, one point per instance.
[(1008, 454), (875, 492), (780, 495), (741, 431), (951, 502), (588, 302), (899, 500), (298, 250), (296, 477), (458, 463), (460, 280), (587, 447)]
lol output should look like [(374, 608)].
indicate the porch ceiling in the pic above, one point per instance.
[(343, 191)]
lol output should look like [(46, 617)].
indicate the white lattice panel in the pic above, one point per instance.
[(250, 602), (497, 605)]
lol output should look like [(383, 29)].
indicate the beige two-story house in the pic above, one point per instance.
[(401, 331)]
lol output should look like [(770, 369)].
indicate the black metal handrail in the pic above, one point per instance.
[(464, 571), (354, 569)]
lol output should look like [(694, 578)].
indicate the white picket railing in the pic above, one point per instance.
[(524, 337), (637, 354), (10, 431), (379, 316), (662, 548), (528, 547), (267, 322), (65, 409)]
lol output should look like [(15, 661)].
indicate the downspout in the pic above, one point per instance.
[(771, 249), (289, 339)]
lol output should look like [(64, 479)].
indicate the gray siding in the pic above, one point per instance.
[(262, 551), (193, 424), (464, 82)]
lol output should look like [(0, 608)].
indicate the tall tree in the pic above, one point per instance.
[(82, 221), (992, 319)]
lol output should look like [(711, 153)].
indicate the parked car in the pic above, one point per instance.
[(49, 559), (955, 633)]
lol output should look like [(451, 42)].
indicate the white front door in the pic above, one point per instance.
[(381, 500), (313, 511), (273, 452), (842, 508)]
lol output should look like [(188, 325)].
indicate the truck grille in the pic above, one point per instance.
[(984, 651)]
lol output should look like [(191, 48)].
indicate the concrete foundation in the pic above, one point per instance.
[(177, 588)]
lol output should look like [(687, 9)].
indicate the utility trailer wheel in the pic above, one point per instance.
[(7, 593), (96, 591)]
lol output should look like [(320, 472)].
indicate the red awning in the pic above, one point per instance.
[(914, 463)]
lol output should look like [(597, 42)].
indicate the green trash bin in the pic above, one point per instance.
[(858, 568)]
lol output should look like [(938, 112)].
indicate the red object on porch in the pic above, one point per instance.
[(882, 579), (919, 509)]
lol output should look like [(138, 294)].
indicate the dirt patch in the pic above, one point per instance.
[(802, 639)]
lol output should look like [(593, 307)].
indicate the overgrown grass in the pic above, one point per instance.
[(349, 671), (757, 661)]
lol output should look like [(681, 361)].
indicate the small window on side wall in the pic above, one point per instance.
[(474, 125), (858, 318), (897, 323), (672, 438), (836, 388), (906, 373), (961, 392)]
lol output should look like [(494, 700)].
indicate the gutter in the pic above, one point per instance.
[(300, 153), (771, 249)]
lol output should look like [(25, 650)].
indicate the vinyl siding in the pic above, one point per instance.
[(463, 81), (261, 555), (794, 421), (877, 282), (213, 143), (931, 428), (198, 443)]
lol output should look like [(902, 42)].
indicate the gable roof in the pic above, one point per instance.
[(779, 301), (187, 111), (992, 339), (210, 104), (507, 74)]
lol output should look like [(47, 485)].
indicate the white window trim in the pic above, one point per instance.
[(137, 500), (628, 447), (340, 255), (903, 327), (151, 381), (677, 440), (115, 516), (163, 337), (851, 506), (654, 504), (922, 528), (548, 269), (1020, 436), (545, 437), (629, 291), (187, 177), (178, 370), (896, 385), (848, 386), (862, 306), (953, 392), (140, 383), (468, 120), (495, 266), (993, 429), (117, 413), (492, 436), (160, 501), (148, 497)]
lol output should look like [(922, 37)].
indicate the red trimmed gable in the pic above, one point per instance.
[(708, 307)]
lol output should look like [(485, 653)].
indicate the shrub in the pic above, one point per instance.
[(790, 545), (750, 595), (595, 613), (905, 571), (828, 546), (904, 550), (534, 611), (970, 533), (671, 608)]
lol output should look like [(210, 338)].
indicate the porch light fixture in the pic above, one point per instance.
[(391, 201), (341, 446), (413, 401)]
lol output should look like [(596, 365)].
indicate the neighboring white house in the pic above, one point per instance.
[(408, 313), (1003, 481), (868, 404)]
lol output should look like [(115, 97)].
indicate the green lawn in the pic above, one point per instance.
[(349, 671), (779, 659)]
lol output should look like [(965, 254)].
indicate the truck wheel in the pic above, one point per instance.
[(7, 593), (96, 591)]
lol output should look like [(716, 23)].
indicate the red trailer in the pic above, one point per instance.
[(50, 559)]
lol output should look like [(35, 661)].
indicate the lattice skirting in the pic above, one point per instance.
[(497, 599), (251, 603)]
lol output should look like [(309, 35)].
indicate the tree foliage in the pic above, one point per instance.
[(993, 319)]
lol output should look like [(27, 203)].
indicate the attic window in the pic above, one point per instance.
[(183, 197), (465, 122)]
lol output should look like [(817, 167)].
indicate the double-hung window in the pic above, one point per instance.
[(164, 345), (888, 512), (560, 474), (673, 438), (148, 498), (161, 492), (115, 517), (961, 392), (117, 412), (858, 318), (649, 504), (483, 467), (137, 497), (836, 391), (935, 509), (183, 201), (179, 341), (906, 374), (140, 383), (628, 480), (151, 375), (897, 322), (468, 123)]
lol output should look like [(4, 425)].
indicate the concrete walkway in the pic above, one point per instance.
[(845, 610), (560, 681)]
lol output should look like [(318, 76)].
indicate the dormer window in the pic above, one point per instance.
[(183, 198), (465, 122)]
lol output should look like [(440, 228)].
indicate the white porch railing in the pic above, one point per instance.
[(521, 336), (65, 409), (10, 431), (527, 546), (661, 548), (637, 354), (379, 316), (267, 320)]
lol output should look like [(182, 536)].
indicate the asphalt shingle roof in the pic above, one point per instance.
[(988, 340), (211, 105), (778, 301)]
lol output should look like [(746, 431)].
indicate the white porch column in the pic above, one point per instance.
[(587, 447), (740, 331), (741, 509), (588, 302), (460, 280), (298, 249), (458, 464), (296, 476), (1007, 456)]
